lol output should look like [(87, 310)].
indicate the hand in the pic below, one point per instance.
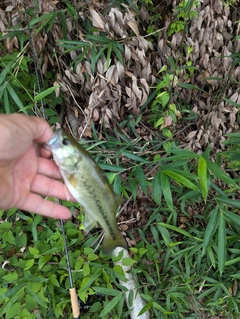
[(26, 168)]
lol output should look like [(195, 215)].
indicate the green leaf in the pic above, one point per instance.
[(189, 86), (14, 310), (11, 301), (216, 170), (53, 280), (50, 112), (86, 270), (128, 262), (111, 168), (140, 176), (89, 282), (145, 308), (29, 264), (14, 96), (212, 256), (232, 261), (181, 155), (117, 52), (202, 173), (134, 157), (181, 179), (157, 306), (106, 291), (44, 93), (177, 229), (33, 251), (38, 297), (111, 304), (109, 51), (166, 190), (211, 228), (6, 225), (117, 184), (163, 98), (46, 16), (5, 71), (11, 277), (231, 102), (6, 102), (222, 243), (165, 233), (228, 201), (156, 189), (234, 219)]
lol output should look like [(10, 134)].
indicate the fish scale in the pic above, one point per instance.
[(89, 186)]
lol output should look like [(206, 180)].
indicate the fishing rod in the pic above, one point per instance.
[(72, 290)]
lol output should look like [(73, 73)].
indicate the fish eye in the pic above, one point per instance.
[(65, 141)]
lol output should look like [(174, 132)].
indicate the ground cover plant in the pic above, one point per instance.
[(151, 88)]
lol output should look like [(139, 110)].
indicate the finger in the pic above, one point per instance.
[(40, 129), (46, 186), (44, 152), (41, 206), (48, 168)]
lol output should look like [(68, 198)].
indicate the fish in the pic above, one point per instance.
[(90, 187)]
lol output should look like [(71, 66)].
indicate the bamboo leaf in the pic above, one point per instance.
[(106, 291), (145, 308), (156, 189), (228, 201), (6, 102), (221, 251), (216, 170), (117, 184), (177, 229), (46, 92), (134, 157), (14, 96), (211, 229), (5, 71), (166, 190), (109, 51), (202, 173), (141, 179), (111, 304), (231, 217), (117, 52), (89, 282), (181, 179), (181, 155)]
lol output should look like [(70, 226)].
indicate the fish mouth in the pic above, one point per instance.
[(54, 141)]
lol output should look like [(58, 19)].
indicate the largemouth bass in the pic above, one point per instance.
[(89, 186)]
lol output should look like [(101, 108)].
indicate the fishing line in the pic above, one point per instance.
[(72, 290), (34, 58)]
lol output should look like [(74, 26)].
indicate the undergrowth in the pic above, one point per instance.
[(181, 217)]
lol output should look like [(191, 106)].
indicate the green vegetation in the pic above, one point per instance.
[(181, 217)]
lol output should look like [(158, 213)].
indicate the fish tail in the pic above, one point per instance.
[(109, 244)]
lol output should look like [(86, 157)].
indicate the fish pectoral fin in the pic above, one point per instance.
[(89, 222)]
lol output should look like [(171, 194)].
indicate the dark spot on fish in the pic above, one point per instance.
[(100, 208)]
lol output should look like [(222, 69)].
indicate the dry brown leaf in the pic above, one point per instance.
[(218, 6), (133, 25), (97, 20), (2, 27), (167, 121)]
